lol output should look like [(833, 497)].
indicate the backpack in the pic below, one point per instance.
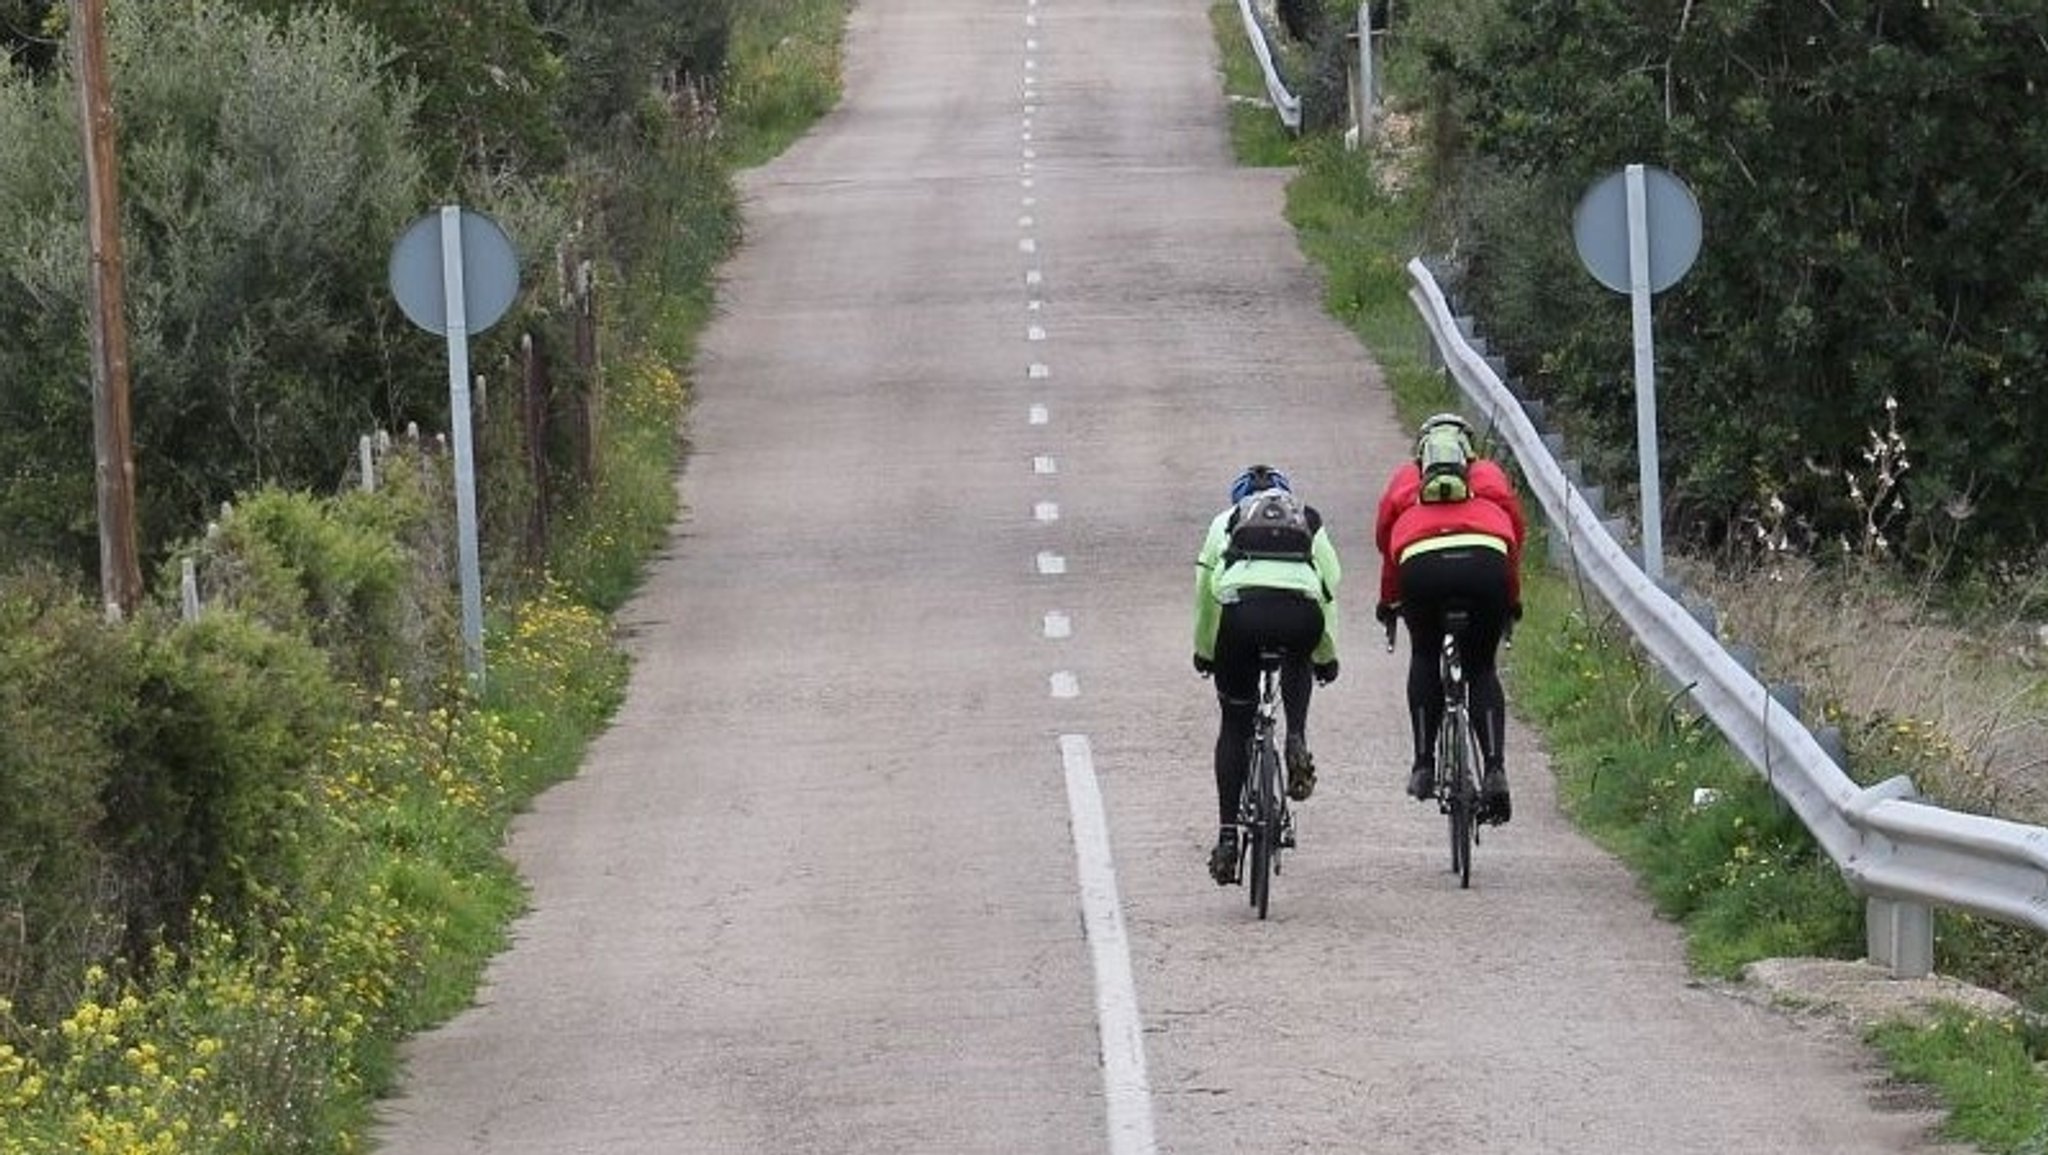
[(1271, 523), (1441, 455)]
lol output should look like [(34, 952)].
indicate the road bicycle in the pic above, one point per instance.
[(1262, 812), (1457, 747)]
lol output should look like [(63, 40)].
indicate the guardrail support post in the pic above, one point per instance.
[(1900, 936)]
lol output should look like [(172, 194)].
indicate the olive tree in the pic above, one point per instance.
[(265, 169)]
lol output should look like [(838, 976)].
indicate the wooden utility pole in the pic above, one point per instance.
[(113, 450)]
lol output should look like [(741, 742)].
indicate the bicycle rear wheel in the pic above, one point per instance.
[(1461, 793), (1265, 832)]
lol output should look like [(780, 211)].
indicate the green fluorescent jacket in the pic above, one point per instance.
[(1217, 583)]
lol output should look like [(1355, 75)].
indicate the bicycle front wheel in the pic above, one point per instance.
[(1461, 841)]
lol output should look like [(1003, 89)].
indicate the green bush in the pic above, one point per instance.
[(67, 683), (212, 792), (146, 764)]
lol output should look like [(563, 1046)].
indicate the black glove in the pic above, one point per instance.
[(1204, 666), (1385, 613), (1515, 612), (1326, 672)]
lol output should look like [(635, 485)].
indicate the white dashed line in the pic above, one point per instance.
[(1065, 685), (1046, 511), (1038, 372), (1033, 277), (1058, 625), (1051, 564), (1044, 465), (1039, 415), (1034, 333)]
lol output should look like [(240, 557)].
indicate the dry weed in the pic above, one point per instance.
[(1962, 706)]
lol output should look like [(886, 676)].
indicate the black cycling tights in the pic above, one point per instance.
[(1286, 621), (1477, 578)]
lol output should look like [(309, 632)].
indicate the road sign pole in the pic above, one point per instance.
[(460, 431), (1646, 373)]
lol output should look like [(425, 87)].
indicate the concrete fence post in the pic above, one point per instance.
[(1900, 936), (188, 590)]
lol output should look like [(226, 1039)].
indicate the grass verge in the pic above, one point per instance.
[(1257, 135)]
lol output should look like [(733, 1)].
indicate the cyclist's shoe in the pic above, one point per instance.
[(1495, 807), (1301, 769), (1223, 860), (1422, 782), (1287, 831)]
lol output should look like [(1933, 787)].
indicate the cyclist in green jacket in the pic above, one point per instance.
[(1265, 578)]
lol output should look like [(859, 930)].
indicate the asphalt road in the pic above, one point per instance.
[(897, 844)]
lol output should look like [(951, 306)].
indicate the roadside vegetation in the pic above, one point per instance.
[(247, 852), (1929, 664)]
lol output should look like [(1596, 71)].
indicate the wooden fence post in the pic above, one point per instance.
[(536, 422)]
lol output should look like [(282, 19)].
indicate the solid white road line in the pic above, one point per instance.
[(1126, 1091)]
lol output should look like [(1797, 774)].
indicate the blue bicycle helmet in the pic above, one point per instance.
[(1256, 478)]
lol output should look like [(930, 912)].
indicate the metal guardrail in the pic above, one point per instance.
[(1285, 102), (1904, 856)]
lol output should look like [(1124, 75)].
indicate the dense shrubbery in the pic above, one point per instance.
[(254, 849), (267, 171), (1861, 169)]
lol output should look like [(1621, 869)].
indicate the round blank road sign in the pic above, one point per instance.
[(490, 273), (1671, 216)]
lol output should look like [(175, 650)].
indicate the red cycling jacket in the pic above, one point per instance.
[(1493, 509)]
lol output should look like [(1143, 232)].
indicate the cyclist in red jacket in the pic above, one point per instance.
[(1450, 529)]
